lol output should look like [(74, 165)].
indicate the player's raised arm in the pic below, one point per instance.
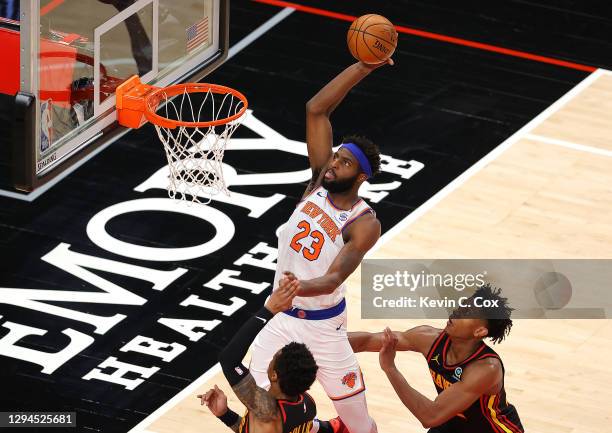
[(259, 402), (319, 137)]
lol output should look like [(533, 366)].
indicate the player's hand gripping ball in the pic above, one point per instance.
[(372, 39)]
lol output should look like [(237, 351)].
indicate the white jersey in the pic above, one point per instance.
[(310, 241)]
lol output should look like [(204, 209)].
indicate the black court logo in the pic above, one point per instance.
[(152, 307)]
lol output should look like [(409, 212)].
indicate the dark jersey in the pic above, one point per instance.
[(490, 413), (296, 416)]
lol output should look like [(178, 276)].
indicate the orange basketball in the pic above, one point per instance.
[(372, 38)]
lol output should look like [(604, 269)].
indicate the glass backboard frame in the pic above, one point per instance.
[(100, 31), (30, 173)]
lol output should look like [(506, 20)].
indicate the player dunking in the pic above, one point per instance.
[(323, 242), (468, 374)]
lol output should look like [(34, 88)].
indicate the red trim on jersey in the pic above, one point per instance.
[(511, 425), (504, 419), (472, 356), (281, 403), (434, 346), (292, 403), (485, 413), (490, 355), (497, 413), (283, 412)]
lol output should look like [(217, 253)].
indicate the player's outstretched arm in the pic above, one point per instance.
[(417, 339), (483, 375), (259, 402), (319, 136)]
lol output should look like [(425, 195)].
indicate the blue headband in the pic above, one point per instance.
[(358, 153)]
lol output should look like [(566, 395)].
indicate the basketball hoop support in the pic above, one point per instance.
[(131, 102)]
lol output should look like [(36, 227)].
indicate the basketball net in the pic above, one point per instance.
[(195, 154), (194, 122)]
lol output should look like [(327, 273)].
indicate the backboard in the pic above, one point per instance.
[(65, 59)]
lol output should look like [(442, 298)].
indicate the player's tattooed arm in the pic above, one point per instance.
[(259, 402), (256, 399)]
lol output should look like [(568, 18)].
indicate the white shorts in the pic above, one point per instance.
[(338, 372)]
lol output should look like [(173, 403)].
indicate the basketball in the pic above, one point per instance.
[(372, 38)]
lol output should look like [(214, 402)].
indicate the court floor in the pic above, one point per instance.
[(500, 131), (546, 192)]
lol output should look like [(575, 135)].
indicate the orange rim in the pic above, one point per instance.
[(153, 99)]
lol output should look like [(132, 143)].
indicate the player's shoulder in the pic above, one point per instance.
[(487, 374), (489, 363), (426, 330), (365, 218), (488, 366), (364, 229), (368, 217), (423, 337)]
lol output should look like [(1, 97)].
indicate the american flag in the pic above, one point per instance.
[(197, 34)]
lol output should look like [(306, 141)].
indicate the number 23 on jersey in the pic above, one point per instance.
[(311, 252)]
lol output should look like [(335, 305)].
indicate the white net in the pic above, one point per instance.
[(195, 154)]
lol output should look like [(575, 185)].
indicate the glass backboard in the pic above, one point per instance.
[(86, 48)]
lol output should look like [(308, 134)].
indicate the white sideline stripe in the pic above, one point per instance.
[(190, 389), (239, 46), (570, 145), (488, 158)]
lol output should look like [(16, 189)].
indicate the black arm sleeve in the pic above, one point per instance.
[(231, 357), (230, 418)]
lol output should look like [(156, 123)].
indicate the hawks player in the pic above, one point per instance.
[(286, 407), (323, 242), (468, 374)]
